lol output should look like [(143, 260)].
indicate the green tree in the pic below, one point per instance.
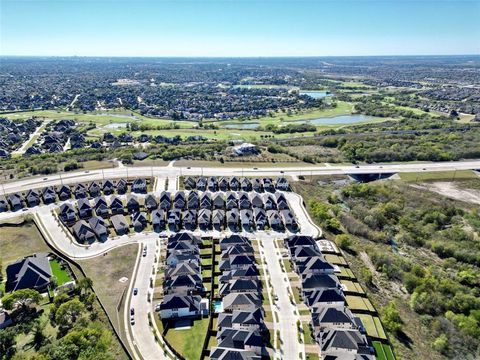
[(343, 241), (23, 298), (441, 344), (68, 313), (391, 318)]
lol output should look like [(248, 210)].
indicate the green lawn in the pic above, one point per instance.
[(372, 325), (62, 275), (437, 175), (307, 334), (189, 342), (359, 303), (383, 351)]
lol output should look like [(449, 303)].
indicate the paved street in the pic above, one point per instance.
[(290, 346), (171, 172)]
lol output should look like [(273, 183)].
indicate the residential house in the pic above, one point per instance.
[(256, 200), (158, 220), (64, 192), (139, 186), (233, 240), (173, 219), (151, 202), (165, 201), (132, 204), (218, 219), (80, 191), (67, 213), (116, 206), (250, 341), (245, 184), (205, 201), (274, 220), (324, 298), (231, 201), (99, 227), (32, 272), (202, 183), (212, 183), (319, 281), (183, 268), (183, 284), (189, 219), (218, 353), (234, 184), (3, 204), (48, 195), (344, 343), (269, 202), (32, 198), (193, 201), (282, 184), (108, 187), (189, 183), (204, 219), (84, 208), (95, 189), (326, 318), (218, 201), (101, 207), (122, 186), (120, 224), (313, 265), (236, 262), (83, 232), (241, 301), (139, 221), (182, 306), (240, 286), (223, 184), (257, 185), (233, 218), (289, 220), (187, 254), (179, 201), (246, 219), (242, 320), (244, 200), (260, 218), (268, 185), (16, 201), (282, 203)]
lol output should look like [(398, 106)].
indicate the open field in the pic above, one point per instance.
[(189, 342), (106, 271), (19, 241), (437, 175)]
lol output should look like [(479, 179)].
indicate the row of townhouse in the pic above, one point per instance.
[(339, 333), (214, 183), (50, 194), (241, 326), (183, 284)]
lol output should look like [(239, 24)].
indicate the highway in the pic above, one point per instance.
[(172, 172)]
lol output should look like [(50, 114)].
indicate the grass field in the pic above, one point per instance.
[(61, 274), (307, 334), (105, 271), (437, 175), (17, 242), (382, 351), (352, 286), (372, 325), (359, 303), (335, 259), (189, 342)]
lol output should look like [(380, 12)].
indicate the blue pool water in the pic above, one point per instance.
[(218, 306)]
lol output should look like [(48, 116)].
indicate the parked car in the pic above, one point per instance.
[(135, 291), (132, 321), (132, 311)]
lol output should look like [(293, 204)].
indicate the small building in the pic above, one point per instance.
[(182, 306), (32, 272), (16, 201), (48, 195), (139, 221), (116, 206), (99, 227), (83, 232), (67, 213), (139, 186), (151, 202), (119, 224), (158, 220), (84, 208), (64, 192)]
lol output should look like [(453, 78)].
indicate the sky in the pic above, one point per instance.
[(239, 27)]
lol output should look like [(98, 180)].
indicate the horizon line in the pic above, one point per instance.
[(230, 56)]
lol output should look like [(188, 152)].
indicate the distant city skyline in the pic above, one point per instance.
[(244, 28)]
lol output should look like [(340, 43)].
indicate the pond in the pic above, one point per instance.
[(115, 125), (315, 94), (342, 119), (245, 126)]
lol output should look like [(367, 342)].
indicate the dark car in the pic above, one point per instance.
[(135, 291), (132, 311)]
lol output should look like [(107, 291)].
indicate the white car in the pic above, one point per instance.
[(132, 321)]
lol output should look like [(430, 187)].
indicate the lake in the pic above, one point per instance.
[(315, 94), (335, 120), (246, 126)]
